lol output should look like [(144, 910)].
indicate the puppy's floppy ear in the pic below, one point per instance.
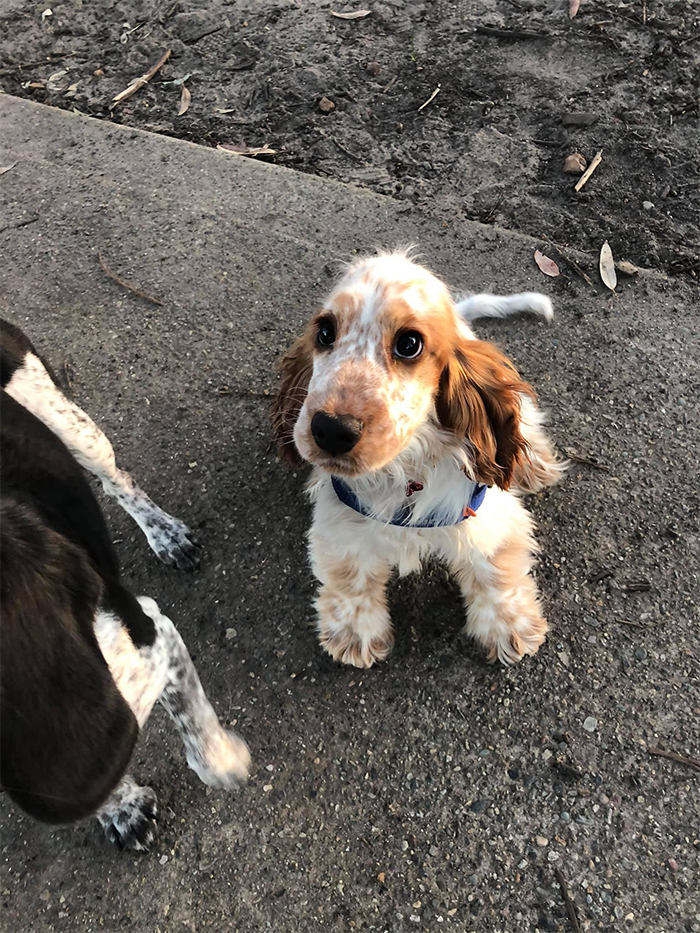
[(480, 398), (295, 367)]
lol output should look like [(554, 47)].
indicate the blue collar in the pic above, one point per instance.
[(403, 515)]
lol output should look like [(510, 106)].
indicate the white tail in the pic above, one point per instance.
[(476, 306)]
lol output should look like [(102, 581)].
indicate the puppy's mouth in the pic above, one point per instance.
[(336, 466)]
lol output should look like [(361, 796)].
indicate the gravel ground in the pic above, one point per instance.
[(489, 147), (435, 792)]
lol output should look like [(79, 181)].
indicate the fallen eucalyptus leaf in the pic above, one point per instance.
[(607, 267), (358, 14), (185, 99), (546, 265), (7, 168), (252, 151)]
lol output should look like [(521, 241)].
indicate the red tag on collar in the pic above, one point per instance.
[(468, 512), (413, 487)]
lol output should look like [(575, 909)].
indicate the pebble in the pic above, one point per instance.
[(373, 68), (269, 767), (230, 633), (604, 799), (404, 846), (673, 864), (565, 817), (163, 859), (648, 205), (575, 164), (590, 724), (479, 806), (542, 841), (640, 653), (325, 105)]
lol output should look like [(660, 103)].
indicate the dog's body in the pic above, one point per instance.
[(84, 661), (407, 418)]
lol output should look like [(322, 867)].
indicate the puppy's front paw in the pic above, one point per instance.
[(517, 635), (131, 823), (350, 648), (220, 760)]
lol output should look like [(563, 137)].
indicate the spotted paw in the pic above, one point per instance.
[(220, 760), (130, 819), (171, 540)]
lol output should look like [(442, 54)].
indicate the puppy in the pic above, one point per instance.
[(82, 661), (420, 437)]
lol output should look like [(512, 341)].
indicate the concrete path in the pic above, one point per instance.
[(435, 792)]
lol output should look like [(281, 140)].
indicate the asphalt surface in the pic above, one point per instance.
[(434, 792)]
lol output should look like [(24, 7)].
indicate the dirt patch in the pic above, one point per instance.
[(490, 146)]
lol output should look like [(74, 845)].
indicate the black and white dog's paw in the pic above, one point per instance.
[(132, 822), (171, 540), (220, 760)]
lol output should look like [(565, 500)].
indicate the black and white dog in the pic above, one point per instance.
[(82, 661)]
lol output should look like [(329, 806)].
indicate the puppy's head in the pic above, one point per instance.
[(384, 356)]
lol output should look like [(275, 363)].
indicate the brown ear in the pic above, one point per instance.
[(295, 367), (479, 398)]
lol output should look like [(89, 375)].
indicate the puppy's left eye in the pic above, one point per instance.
[(408, 345)]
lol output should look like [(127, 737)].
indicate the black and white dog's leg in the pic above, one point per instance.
[(32, 386), (163, 671)]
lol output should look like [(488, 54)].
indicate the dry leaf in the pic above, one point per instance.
[(607, 267), (627, 268), (7, 168), (546, 265), (252, 151), (358, 14), (185, 99), (573, 8)]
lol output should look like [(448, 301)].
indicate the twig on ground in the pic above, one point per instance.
[(672, 756), (68, 373), (510, 33), (130, 288), (347, 152), (389, 86), (138, 83), (570, 906), (574, 265), (21, 223), (595, 162), (431, 98), (54, 57), (637, 586), (587, 459)]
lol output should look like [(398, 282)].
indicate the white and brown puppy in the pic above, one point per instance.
[(82, 661), (420, 436)]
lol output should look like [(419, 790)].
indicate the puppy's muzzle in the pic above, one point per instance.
[(336, 434)]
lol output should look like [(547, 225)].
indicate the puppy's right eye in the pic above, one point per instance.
[(325, 336)]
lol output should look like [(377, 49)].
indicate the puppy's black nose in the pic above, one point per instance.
[(336, 434)]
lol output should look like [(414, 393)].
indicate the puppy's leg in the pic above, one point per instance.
[(353, 620), (163, 671), (32, 386), (501, 598)]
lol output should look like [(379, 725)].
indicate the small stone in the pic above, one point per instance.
[(44, 896), (404, 846), (267, 788), (552, 856), (604, 799), (269, 767), (373, 68), (590, 724), (565, 817), (434, 851), (640, 653), (381, 877), (230, 633), (541, 841), (547, 754), (673, 864), (325, 105), (648, 205), (479, 806), (575, 164), (162, 860)]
